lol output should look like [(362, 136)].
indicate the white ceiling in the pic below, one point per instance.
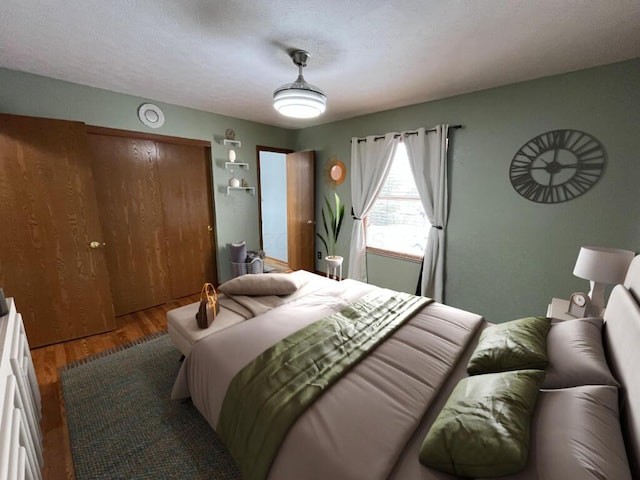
[(228, 56)]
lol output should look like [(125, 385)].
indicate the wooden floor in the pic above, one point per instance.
[(276, 266), (47, 361)]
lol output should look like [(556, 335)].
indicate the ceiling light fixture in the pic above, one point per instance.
[(299, 99)]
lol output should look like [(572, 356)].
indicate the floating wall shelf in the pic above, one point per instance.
[(232, 143), (251, 190), (230, 165)]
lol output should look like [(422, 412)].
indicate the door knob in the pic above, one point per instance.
[(210, 228), (95, 244), (309, 222)]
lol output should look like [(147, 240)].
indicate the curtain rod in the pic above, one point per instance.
[(380, 137)]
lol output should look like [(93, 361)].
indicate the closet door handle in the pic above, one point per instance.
[(210, 228), (95, 244)]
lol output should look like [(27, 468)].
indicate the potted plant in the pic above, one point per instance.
[(332, 223)]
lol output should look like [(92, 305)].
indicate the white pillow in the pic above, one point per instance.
[(576, 355), (575, 434), (261, 284)]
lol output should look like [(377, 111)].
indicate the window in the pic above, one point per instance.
[(397, 224)]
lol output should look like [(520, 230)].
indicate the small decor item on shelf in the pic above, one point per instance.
[(230, 134), (234, 182), (232, 155), (245, 183)]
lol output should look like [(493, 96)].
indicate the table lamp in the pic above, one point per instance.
[(602, 266)]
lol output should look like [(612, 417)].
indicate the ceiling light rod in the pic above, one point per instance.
[(300, 58), (299, 99)]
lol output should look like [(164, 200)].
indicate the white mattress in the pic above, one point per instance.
[(370, 414), (184, 331)]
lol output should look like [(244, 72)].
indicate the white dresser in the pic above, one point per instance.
[(20, 408)]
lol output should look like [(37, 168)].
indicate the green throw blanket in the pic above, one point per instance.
[(267, 396)]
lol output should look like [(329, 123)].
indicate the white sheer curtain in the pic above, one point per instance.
[(427, 154), (370, 164)]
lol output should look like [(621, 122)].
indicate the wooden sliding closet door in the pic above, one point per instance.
[(49, 217), (187, 205), (128, 191), (157, 215)]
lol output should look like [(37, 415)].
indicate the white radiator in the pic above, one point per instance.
[(20, 407)]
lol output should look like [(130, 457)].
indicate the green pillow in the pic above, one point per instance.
[(483, 430), (515, 345)]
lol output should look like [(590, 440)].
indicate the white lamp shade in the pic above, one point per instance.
[(603, 265), (299, 102)]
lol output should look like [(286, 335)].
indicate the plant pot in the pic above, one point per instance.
[(334, 266), (334, 261)]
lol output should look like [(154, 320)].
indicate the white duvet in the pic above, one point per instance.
[(360, 428)]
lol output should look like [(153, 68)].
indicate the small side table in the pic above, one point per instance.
[(558, 309), (334, 267)]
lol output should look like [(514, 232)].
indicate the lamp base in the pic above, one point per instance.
[(596, 294)]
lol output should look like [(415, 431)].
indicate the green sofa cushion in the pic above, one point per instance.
[(516, 345), (484, 428)]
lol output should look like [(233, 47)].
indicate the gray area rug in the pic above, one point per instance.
[(123, 425)]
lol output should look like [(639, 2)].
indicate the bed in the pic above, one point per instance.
[(236, 307), (371, 423)]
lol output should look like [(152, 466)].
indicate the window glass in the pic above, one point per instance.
[(397, 222)]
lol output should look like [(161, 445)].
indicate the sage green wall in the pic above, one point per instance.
[(507, 256), (236, 214)]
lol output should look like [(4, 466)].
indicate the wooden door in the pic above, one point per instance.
[(185, 183), (49, 216), (301, 210), (128, 191)]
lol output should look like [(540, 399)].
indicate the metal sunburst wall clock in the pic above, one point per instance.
[(557, 166)]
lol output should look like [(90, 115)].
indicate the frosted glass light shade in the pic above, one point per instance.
[(299, 102), (299, 99)]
